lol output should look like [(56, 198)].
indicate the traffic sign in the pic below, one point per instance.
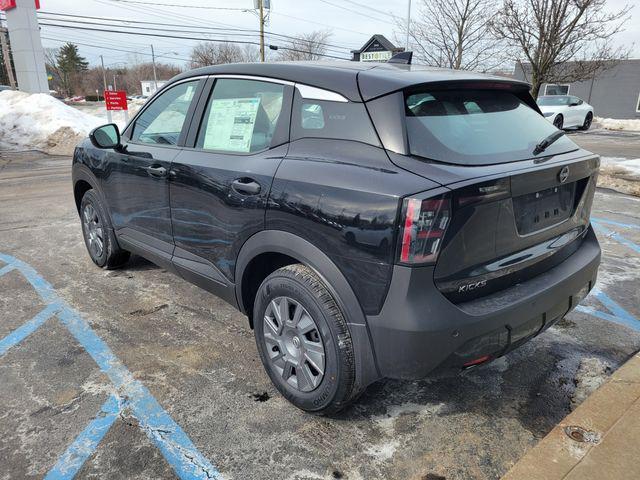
[(115, 99)]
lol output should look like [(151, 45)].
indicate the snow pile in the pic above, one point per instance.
[(621, 174), (40, 122), (615, 124)]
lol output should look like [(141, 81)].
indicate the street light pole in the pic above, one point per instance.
[(155, 76), (261, 30), (104, 82), (408, 24)]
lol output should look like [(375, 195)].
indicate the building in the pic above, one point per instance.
[(149, 87), (377, 49), (614, 93)]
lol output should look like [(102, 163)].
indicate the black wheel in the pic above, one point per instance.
[(98, 235), (587, 121), (558, 122), (303, 340)]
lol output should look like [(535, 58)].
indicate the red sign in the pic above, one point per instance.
[(116, 99), (9, 4)]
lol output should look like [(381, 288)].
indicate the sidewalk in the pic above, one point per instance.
[(605, 431)]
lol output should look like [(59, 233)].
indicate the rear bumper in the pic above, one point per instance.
[(418, 329)]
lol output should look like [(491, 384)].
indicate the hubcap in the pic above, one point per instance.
[(294, 344), (93, 230)]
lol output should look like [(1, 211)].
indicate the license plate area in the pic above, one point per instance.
[(545, 208)]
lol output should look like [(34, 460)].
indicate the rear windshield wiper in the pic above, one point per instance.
[(544, 144)]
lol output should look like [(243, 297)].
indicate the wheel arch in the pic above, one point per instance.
[(285, 248), (83, 180)]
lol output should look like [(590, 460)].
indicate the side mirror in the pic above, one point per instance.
[(574, 104), (106, 136)]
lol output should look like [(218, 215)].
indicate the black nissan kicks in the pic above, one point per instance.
[(371, 220)]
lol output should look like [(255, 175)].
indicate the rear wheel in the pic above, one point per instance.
[(303, 340), (587, 121), (558, 122), (98, 235)]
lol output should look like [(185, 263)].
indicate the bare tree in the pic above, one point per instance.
[(310, 46), (562, 40), (456, 34), (209, 53)]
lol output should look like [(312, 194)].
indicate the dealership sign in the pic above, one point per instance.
[(115, 99), (377, 49), (9, 4)]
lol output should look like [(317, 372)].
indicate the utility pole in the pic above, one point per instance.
[(155, 76), (7, 59), (104, 82), (115, 85), (261, 4), (408, 24)]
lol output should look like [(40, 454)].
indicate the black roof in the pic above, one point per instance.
[(382, 40), (374, 79)]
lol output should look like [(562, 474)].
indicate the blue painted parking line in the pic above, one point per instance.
[(28, 328), (6, 269), (618, 314), (171, 440), (617, 224), (71, 461), (616, 236)]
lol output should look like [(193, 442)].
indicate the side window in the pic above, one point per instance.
[(241, 116), (329, 119), (162, 121)]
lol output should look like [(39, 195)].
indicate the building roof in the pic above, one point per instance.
[(353, 80), (382, 40)]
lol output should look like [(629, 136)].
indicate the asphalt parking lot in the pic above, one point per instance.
[(134, 373)]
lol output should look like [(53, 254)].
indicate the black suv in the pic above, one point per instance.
[(371, 220)]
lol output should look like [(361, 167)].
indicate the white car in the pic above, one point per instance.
[(566, 111)]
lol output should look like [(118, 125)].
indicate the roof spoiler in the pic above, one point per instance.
[(401, 57)]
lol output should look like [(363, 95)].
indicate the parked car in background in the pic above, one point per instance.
[(371, 220), (566, 111)]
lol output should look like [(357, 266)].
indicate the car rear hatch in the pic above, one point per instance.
[(505, 231), (511, 211)]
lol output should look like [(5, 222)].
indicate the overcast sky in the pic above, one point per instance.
[(351, 22)]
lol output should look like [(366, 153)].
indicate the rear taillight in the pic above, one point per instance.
[(424, 224)]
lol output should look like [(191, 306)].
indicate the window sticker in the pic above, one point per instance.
[(230, 124)]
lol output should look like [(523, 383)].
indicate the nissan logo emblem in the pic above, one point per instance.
[(564, 174)]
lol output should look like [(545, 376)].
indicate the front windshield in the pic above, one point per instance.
[(476, 127), (551, 100)]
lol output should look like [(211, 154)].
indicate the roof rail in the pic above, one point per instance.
[(401, 57)]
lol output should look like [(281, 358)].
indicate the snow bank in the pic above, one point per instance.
[(615, 124), (621, 174), (39, 121)]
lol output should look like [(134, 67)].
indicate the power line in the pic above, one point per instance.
[(164, 25), (202, 39), (354, 11), (202, 7)]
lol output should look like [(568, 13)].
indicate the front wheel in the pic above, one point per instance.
[(587, 121), (303, 340), (558, 122)]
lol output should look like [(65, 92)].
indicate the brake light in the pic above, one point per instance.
[(423, 227)]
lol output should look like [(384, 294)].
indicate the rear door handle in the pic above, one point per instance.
[(246, 186), (157, 171)]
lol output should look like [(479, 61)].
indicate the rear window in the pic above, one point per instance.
[(476, 127), (554, 100)]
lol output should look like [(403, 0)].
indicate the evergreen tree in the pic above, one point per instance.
[(70, 65)]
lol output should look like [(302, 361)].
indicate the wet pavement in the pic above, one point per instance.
[(192, 399)]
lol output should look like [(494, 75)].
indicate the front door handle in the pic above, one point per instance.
[(157, 171), (246, 186)]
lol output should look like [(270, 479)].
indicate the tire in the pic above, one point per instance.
[(321, 385), (558, 122), (587, 121), (99, 238)]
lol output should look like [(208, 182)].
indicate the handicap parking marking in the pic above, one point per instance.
[(71, 461), (130, 394), (618, 314), (615, 235)]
